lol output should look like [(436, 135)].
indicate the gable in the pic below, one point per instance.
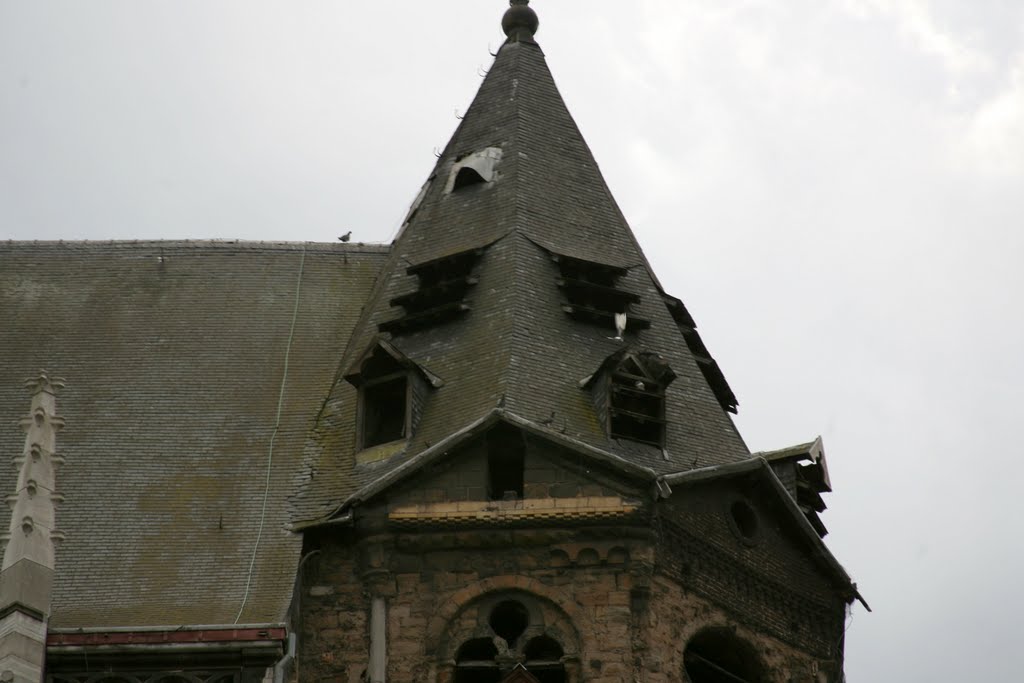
[(547, 484), (734, 542)]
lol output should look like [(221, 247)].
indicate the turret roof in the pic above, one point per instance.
[(538, 214)]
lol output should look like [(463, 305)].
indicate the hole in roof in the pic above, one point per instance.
[(466, 177)]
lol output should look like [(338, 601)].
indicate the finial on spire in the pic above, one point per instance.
[(520, 22)]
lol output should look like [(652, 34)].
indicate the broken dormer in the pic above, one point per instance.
[(444, 284), (708, 366), (592, 293), (477, 168), (804, 473), (392, 389), (629, 394)]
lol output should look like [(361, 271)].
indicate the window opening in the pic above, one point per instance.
[(592, 294), (474, 169), (509, 619), (506, 455), (441, 294), (384, 407), (718, 656), (466, 177), (384, 398), (475, 662), (537, 657), (544, 660), (744, 518), (637, 400)]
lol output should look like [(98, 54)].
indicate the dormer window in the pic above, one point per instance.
[(593, 295), (385, 409), (629, 391), (444, 284), (391, 386), (477, 168)]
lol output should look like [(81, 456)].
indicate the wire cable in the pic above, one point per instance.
[(273, 435)]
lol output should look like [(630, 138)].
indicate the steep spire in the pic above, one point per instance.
[(26, 579), (491, 286)]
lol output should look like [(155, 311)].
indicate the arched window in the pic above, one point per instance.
[(544, 660), (510, 637), (718, 656), (475, 662)]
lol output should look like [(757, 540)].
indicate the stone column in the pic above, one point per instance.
[(26, 576)]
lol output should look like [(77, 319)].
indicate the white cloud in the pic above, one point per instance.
[(993, 139), (916, 20)]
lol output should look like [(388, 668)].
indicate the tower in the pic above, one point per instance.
[(526, 466), (494, 450)]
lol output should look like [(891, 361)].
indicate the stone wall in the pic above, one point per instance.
[(620, 582), (631, 621)]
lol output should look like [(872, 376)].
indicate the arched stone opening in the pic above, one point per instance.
[(489, 637), (717, 655)]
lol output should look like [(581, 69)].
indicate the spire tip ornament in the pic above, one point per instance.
[(520, 22)]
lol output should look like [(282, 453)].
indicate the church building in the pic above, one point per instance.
[(494, 450)]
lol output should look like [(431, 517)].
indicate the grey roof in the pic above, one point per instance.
[(516, 348), (173, 353)]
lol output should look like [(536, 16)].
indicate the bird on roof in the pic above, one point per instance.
[(620, 326), (346, 237)]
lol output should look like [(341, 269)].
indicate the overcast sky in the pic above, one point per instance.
[(834, 187)]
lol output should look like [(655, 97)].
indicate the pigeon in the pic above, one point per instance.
[(620, 326), (346, 237)]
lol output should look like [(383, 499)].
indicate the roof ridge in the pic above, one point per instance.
[(277, 245)]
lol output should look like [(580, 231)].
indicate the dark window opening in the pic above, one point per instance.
[(506, 454), (544, 660), (637, 409), (384, 410), (477, 650), (509, 619), (466, 177), (441, 293), (475, 662), (479, 661), (718, 656), (592, 294), (636, 403), (745, 519)]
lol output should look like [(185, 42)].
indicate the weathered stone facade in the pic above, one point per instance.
[(621, 593)]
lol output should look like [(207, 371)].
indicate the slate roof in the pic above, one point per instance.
[(516, 348), (173, 353)]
